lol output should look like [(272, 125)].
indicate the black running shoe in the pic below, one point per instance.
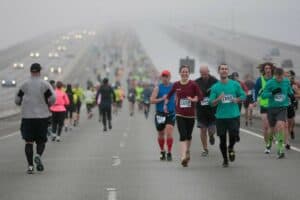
[(104, 129), (292, 135), (288, 146), (110, 126), (162, 155), (212, 139), (225, 164), (39, 163), (169, 157), (30, 169), (231, 155)]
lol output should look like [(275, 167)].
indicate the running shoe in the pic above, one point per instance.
[(57, 139), (104, 129), (288, 146), (39, 163), (30, 169), (280, 155), (225, 164), (231, 155), (267, 150), (53, 137), (204, 153), (66, 128), (109, 126), (162, 155), (169, 156), (212, 139), (184, 162)]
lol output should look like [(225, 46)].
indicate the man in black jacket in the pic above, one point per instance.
[(205, 113)]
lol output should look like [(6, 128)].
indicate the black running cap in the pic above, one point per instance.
[(35, 67)]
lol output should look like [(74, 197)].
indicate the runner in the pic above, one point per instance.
[(294, 103), (59, 111), (131, 97), (164, 122), (146, 99), (89, 99), (205, 113), (277, 91), (139, 92), (248, 103), (69, 108), (119, 98), (187, 95), (35, 96), (77, 98), (107, 95), (226, 95), (266, 70)]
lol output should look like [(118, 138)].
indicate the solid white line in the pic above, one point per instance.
[(260, 136), (10, 135)]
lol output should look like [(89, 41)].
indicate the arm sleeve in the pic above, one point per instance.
[(257, 88), (19, 97)]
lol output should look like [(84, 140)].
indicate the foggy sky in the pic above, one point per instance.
[(275, 19)]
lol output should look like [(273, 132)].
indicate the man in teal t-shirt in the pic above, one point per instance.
[(277, 91), (226, 94)]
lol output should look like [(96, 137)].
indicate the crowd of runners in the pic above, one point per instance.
[(214, 104)]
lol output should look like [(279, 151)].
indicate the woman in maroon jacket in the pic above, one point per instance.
[(188, 94)]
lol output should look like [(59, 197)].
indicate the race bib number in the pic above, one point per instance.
[(279, 97), (185, 103), (228, 98), (205, 101), (160, 119)]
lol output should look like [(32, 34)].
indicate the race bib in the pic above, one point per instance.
[(249, 92), (205, 101), (279, 97), (228, 98), (160, 119), (185, 103)]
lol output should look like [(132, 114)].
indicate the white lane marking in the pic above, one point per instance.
[(10, 135), (111, 193), (116, 161), (260, 136)]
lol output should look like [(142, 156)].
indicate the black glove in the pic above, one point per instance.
[(276, 91)]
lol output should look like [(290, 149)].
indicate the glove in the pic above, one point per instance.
[(276, 91)]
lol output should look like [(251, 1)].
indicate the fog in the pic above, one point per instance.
[(275, 19)]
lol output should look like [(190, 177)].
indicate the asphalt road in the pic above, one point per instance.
[(124, 164)]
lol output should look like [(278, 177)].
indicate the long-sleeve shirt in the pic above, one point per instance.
[(185, 107), (62, 100), (106, 95), (35, 96)]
